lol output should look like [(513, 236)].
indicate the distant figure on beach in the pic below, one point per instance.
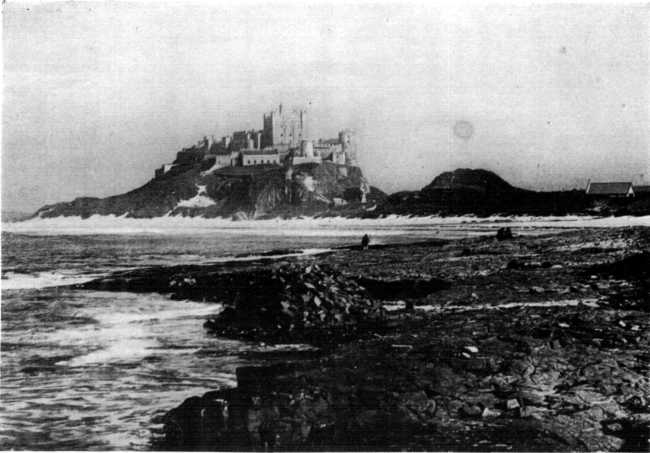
[(365, 241), (504, 233)]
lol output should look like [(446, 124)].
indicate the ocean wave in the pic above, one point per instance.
[(126, 332), (17, 280), (37, 280), (306, 226), (254, 257)]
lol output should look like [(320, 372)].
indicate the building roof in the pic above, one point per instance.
[(329, 141), (608, 188), (259, 152), (641, 189)]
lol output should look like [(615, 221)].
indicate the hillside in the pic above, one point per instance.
[(481, 192), (197, 189)]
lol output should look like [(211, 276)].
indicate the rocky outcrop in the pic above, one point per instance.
[(196, 189), (481, 192), (490, 382), (548, 352)]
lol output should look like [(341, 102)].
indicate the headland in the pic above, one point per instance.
[(281, 171)]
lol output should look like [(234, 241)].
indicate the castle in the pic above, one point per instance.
[(283, 140)]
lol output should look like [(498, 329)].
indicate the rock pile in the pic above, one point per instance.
[(298, 302)]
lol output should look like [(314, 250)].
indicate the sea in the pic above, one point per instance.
[(94, 370)]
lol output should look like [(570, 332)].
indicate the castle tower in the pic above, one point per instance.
[(282, 127), (307, 148), (304, 130), (348, 143)]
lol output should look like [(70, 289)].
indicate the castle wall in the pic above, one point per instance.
[(256, 157), (164, 169), (327, 150), (239, 140), (220, 160), (191, 155), (297, 160)]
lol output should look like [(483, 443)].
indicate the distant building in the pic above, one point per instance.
[(610, 189), (259, 157)]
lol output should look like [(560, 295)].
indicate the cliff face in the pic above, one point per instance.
[(197, 189)]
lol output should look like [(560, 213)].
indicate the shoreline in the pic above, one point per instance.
[(308, 226), (539, 342)]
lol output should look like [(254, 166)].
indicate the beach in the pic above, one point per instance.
[(533, 343)]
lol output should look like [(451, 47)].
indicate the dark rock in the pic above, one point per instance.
[(471, 410), (403, 288), (637, 404)]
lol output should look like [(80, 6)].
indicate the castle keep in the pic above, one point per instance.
[(282, 128), (283, 140)]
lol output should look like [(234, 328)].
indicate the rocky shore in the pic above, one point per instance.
[(533, 343)]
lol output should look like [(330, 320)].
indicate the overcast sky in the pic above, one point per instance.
[(97, 95)]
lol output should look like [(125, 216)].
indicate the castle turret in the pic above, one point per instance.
[(346, 138), (307, 148)]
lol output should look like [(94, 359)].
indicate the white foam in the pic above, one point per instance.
[(120, 351), (543, 304), (127, 331), (304, 252), (38, 280), (16, 280), (309, 226), (184, 310), (607, 244)]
